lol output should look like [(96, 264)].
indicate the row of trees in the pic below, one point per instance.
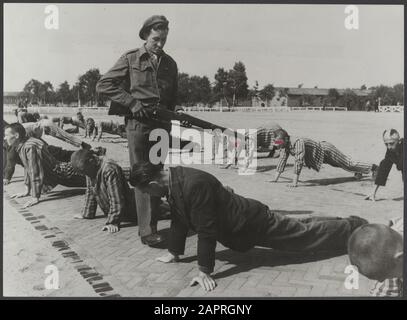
[(229, 86), (83, 91), (379, 95)]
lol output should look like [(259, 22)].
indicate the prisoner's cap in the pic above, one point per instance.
[(390, 135), (150, 22)]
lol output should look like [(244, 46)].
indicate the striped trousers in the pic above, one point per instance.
[(336, 158), (64, 174), (56, 132)]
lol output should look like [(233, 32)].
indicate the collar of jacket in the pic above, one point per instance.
[(175, 195), (20, 145), (144, 51), (399, 148), (102, 163)]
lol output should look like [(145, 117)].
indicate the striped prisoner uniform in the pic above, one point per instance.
[(41, 168), (71, 120), (313, 154), (112, 127), (111, 192), (390, 287), (37, 129), (264, 137)]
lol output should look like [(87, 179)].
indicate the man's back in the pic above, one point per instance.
[(207, 201)]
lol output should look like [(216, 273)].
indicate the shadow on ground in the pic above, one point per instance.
[(63, 194), (287, 212), (265, 168), (327, 182), (262, 257)]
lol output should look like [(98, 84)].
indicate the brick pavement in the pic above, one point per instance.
[(131, 269)]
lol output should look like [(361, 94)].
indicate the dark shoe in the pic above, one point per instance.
[(356, 222), (153, 240)]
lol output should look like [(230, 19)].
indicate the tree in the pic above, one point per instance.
[(254, 92), (363, 87), (47, 94), (333, 96), (256, 87), (87, 83), (238, 79), (183, 86), (350, 100), (268, 92), (300, 85), (384, 94), (223, 87), (398, 91), (77, 93), (193, 90), (284, 92), (205, 90), (32, 90), (64, 94)]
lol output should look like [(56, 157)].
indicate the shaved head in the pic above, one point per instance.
[(373, 249)]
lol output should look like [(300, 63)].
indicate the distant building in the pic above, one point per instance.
[(298, 97), (11, 97)]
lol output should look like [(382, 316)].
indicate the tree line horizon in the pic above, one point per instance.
[(230, 86)]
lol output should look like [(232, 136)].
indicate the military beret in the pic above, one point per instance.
[(150, 22)]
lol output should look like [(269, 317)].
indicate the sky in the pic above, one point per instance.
[(284, 45)]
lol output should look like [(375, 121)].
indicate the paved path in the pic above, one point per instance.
[(121, 265)]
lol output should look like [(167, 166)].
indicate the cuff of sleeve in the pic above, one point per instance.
[(113, 220), (35, 194), (130, 102), (88, 214), (175, 253), (206, 270), (380, 183)]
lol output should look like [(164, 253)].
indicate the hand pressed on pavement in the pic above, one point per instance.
[(204, 280), (111, 228)]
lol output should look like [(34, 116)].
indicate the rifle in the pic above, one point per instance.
[(165, 116)]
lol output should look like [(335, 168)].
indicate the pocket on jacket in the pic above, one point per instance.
[(141, 76)]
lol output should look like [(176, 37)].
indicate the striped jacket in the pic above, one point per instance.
[(390, 287), (111, 192), (41, 169), (38, 164), (265, 136), (112, 127), (305, 151)]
